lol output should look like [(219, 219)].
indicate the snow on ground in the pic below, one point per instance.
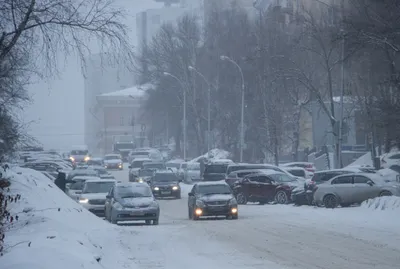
[(387, 203), (215, 153), (55, 231)]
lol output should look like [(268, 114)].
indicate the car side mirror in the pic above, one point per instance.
[(191, 194), (370, 183)]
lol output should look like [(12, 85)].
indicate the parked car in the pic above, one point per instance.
[(299, 172), (192, 172), (93, 195), (215, 171), (390, 159), (135, 166), (181, 170), (234, 176), (113, 161), (131, 202), (306, 165), (74, 190), (212, 199), (165, 184), (349, 189), (82, 172), (264, 187)]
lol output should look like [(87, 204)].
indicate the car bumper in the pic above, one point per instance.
[(98, 210), (113, 166), (167, 193), (136, 214), (208, 211)]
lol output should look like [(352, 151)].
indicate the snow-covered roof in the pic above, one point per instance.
[(101, 180), (210, 183), (138, 90), (85, 178)]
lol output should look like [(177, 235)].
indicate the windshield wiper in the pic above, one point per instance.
[(212, 193)]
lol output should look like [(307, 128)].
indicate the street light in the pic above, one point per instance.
[(226, 58), (191, 68), (184, 110)]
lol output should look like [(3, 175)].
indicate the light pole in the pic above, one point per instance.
[(226, 58), (184, 110), (340, 142), (191, 68)]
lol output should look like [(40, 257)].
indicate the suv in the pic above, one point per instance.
[(165, 184), (215, 171)]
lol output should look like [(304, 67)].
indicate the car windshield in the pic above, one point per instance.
[(154, 166), (133, 191), (214, 189), (146, 173), (79, 152), (173, 165), (137, 164), (112, 157), (97, 187), (165, 178), (77, 186), (282, 178), (216, 168)]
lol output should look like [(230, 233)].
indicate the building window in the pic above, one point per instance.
[(156, 19), (121, 121)]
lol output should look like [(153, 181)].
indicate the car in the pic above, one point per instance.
[(299, 172), (192, 172), (212, 199), (93, 196), (152, 154), (266, 186), (135, 166), (306, 165), (74, 190), (131, 202), (96, 161), (165, 184), (390, 159), (79, 155), (145, 175), (154, 165), (215, 171), (82, 172), (113, 161)]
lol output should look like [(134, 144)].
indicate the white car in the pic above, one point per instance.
[(390, 159), (113, 161), (74, 190), (93, 196)]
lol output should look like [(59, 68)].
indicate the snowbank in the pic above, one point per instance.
[(388, 203), (53, 231), (216, 155)]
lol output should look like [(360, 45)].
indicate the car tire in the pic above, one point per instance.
[(330, 201), (386, 193), (241, 198), (281, 197), (148, 222), (155, 222)]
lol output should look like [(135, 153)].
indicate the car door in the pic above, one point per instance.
[(249, 186), (343, 188), (362, 190), (267, 187), (109, 199)]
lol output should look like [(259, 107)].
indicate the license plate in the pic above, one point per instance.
[(138, 213), (165, 192)]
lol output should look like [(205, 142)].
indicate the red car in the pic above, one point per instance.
[(264, 187)]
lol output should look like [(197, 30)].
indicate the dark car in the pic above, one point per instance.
[(145, 175), (212, 199), (239, 174), (165, 184), (215, 171), (264, 187), (250, 166)]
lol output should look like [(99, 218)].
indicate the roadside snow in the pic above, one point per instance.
[(387, 203), (215, 153), (52, 230)]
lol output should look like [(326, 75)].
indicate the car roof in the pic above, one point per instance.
[(165, 172), (141, 159), (151, 162), (349, 170), (99, 180), (85, 178), (268, 172), (210, 183), (294, 163), (130, 184), (246, 170)]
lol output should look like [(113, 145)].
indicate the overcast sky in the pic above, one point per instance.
[(56, 113)]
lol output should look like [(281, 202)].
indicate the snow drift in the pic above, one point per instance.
[(52, 231), (388, 203), (215, 155)]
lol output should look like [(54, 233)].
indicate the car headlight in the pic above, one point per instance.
[(233, 202), (156, 188), (200, 203), (83, 200), (175, 188), (87, 158), (117, 205), (140, 180), (72, 159), (154, 204)]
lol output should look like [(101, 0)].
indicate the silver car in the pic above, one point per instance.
[(349, 189), (93, 196), (131, 202), (192, 172)]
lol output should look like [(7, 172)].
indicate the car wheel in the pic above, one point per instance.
[(330, 201), (148, 222), (241, 198), (385, 193), (155, 222), (281, 197)]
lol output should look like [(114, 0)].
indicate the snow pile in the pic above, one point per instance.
[(215, 154), (52, 231), (388, 203)]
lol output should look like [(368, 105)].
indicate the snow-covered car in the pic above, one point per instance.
[(349, 189), (74, 190), (135, 166), (192, 172), (174, 165), (299, 172), (93, 196), (113, 161), (131, 202), (212, 199), (390, 159), (306, 165)]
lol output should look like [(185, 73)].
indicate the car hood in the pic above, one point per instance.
[(165, 184), (92, 196), (136, 202), (216, 197), (112, 161)]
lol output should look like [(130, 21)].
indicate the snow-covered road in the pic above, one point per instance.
[(270, 236)]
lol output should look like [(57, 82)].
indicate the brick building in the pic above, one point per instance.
[(122, 117)]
